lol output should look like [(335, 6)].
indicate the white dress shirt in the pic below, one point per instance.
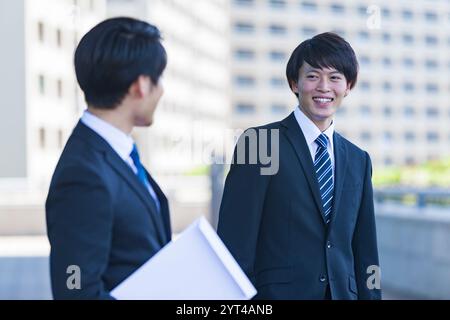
[(312, 132), (121, 143)]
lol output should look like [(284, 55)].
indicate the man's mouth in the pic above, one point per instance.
[(323, 99)]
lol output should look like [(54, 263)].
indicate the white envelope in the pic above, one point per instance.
[(195, 266)]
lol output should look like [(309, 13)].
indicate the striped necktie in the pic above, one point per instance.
[(324, 173)]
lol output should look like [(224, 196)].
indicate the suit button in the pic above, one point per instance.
[(329, 245), (323, 279)]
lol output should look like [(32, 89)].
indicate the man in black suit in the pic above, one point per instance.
[(106, 216), (308, 230)]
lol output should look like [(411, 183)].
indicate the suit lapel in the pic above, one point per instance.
[(124, 171), (298, 142), (165, 217), (340, 164)]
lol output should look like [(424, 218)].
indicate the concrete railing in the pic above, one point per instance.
[(414, 247), (419, 198)]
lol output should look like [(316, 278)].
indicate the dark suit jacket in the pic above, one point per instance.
[(100, 217), (274, 225)]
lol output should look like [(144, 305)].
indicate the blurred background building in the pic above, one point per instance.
[(400, 106), (41, 100), (195, 109), (226, 70)]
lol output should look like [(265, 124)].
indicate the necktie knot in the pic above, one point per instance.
[(322, 140)]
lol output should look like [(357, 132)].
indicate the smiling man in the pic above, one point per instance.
[(308, 231)]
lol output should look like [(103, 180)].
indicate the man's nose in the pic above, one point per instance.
[(323, 85)]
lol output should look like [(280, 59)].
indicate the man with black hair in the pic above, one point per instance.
[(307, 231), (106, 216)]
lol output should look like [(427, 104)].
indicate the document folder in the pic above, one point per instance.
[(195, 266)]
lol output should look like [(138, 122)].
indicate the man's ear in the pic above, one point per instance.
[(347, 91), (140, 87), (294, 86)]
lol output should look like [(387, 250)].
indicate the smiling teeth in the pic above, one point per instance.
[(323, 100)]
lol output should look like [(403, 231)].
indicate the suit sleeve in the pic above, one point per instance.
[(365, 238), (79, 226), (241, 211)]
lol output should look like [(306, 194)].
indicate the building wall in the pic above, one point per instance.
[(13, 162)]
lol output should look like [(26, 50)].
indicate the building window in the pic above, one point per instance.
[(244, 3), (362, 10), (243, 27), (277, 82), (387, 136), (341, 111), (365, 86), (42, 138), (387, 61), (387, 37), (278, 109), (410, 161), (244, 54), (431, 64), (337, 8), (431, 16), (277, 3), (365, 60), (407, 14), (363, 35), (41, 31), (245, 108), (277, 55), (366, 136), (59, 38), (386, 13), (407, 39), (387, 111), (432, 112), (432, 136), (431, 40), (277, 29), (408, 62), (59, 88), (365, 111), (245, 81), (309, 6), (309, 31), (41, 84), (408, 87), (60, 139), (409, 112), (387, 86), (432, 88), (410, 136)]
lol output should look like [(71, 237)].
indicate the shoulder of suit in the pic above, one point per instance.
[(350, 145), (269, 126)]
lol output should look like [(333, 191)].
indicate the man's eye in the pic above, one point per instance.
[(311, 76)]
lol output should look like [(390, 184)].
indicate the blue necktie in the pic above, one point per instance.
[(141, 174), (324, 173)]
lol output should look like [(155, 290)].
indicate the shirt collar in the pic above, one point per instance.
[(310, 130), (118, 140)]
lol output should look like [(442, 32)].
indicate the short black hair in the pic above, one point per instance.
[(111, 56), (325, 50)]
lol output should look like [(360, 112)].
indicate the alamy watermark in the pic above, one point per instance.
[(74, 280)]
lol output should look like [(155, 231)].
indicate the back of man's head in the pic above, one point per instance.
[(113, 55)]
